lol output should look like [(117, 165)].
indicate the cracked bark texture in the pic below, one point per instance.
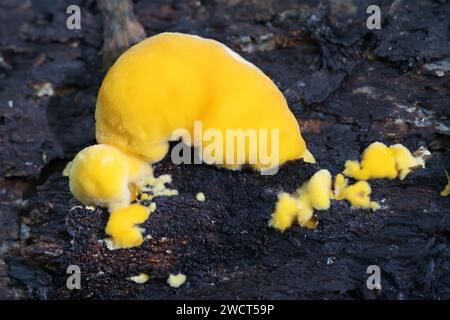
[(348, 86)]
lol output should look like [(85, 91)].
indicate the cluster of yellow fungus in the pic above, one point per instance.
[(446, 190), (380, 161), (163, 84), (314, 194), (171, 81), (105, 176)]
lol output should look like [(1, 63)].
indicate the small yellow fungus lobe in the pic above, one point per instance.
[(200, 197), (176, 281), (105, 176), (285, 212), (446, 190), (357, 194), (122, 226), (340, 183), (140, 278), (319, 190), (314, 194), (379, 161), (156, 187), (171, 80)]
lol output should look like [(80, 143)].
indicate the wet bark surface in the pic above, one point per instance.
[(348, 86)]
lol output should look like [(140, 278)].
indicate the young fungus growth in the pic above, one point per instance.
[(314, 194), (380, 161), (176, 281), (123, 227), (357, 194)]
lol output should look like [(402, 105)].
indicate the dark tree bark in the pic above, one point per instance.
[(121, 29)]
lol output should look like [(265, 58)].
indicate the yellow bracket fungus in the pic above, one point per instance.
[(357, 194), (380, 161), (122, 226), (169, 81), (314, 194), (446, 190)]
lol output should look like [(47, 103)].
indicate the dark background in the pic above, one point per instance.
[(348, 86)]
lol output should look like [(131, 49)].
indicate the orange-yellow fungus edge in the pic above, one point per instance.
[(170, 80), (380, 161), (123, 227)]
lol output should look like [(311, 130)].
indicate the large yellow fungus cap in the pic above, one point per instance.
[(122, 226), (380, 161), (170, 80), (103, 175), (314, 194)]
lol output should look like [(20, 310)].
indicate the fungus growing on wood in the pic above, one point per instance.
[(380, 161), (314, 194)]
